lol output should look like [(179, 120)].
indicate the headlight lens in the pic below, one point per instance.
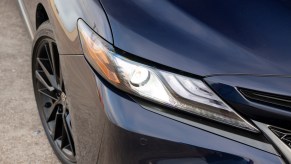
[(176, 91)]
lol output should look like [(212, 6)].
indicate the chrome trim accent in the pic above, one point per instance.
[(26, 19), (282, 147)]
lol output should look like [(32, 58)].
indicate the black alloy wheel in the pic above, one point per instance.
[(50, 95)]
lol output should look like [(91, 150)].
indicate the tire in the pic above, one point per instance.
[(53, 112)]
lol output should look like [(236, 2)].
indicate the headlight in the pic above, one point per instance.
[(175, 91)]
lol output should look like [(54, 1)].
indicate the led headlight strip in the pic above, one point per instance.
[(162, 87)]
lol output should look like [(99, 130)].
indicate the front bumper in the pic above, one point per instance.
[(111, 127)]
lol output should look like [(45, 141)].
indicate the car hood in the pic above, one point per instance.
[(206, 37)]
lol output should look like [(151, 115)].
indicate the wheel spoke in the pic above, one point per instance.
[(44, 92), (52, 111), (40, 78), (68, 129), (68, 123), (65, 138), (51, 78), (47, 49), (58, 126), (48, 75), (52, 57)]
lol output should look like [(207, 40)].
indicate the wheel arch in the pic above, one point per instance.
[(40, 15)]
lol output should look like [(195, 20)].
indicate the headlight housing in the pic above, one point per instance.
[(169, 89)]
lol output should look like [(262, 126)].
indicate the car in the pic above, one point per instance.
[(163, 82)]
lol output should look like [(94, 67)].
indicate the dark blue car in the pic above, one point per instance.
[(163, 81)]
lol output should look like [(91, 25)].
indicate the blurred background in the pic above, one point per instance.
[(22, 138)]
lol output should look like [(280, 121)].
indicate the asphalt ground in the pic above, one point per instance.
[(22, 138)]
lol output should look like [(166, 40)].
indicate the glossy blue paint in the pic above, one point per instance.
[(205, 37)]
